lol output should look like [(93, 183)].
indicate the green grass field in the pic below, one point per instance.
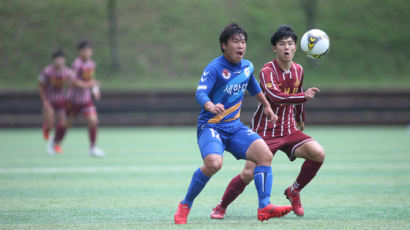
[(364, 183)]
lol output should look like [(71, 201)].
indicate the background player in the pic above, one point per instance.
[(79, 98), (220, 93), (51, 89), (281, 81)]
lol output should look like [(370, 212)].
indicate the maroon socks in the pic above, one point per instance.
[(60, 132), (235, 187), (92, 132), (307, 172)]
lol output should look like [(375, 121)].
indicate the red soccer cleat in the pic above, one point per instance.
[(218, 212), (181, 215), (272, 211), (294, 198), (58, 149)]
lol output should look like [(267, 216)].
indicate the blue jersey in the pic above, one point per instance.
[(225, 83)]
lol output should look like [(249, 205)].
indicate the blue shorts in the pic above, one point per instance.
[(216, 138)]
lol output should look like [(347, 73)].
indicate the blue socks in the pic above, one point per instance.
[(198, 182), (263, 181), (262, 177)]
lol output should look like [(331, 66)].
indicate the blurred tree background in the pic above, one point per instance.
[(164, 45)]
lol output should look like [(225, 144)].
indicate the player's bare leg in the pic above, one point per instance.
[(314, 154), (48, 120), (212, 164), (92, 122), (260, 154)]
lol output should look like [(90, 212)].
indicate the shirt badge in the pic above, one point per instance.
[(226, 74), (247, 72)]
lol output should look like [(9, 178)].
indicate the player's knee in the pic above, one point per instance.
[(319, 155), (93, 122), (212, 164), (259, 153)]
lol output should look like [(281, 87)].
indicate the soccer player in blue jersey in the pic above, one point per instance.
[(220, 94)]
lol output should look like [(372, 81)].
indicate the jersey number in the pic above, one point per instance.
[(215, 134)]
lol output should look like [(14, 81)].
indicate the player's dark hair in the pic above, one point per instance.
[(58, 53), (84, 43), (229, 31), (284, 31)]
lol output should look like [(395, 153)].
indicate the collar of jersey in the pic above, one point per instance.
[(239, 65)]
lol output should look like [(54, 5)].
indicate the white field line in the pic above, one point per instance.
[(186, 168)]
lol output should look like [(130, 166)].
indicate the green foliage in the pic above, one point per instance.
[(363, 184), (166, 44)]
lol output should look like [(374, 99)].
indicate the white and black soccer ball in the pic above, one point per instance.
[(315, 43)]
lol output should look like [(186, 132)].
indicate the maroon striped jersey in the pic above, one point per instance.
[(284, 91), (85, 71), (54, 80)]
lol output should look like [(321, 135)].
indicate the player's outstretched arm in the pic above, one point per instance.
[(270, 85), (311, 92)]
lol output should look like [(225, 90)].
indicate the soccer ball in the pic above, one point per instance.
[(315, 43)]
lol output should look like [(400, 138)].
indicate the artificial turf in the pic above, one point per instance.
[(363, 184)]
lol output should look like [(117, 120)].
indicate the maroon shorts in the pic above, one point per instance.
[(59, 106), (287, 144), (85, 109)]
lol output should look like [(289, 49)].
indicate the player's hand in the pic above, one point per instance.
[(96, 92), (218, 109), (97, 95), (310, 93), (301, 125), (272, 117)]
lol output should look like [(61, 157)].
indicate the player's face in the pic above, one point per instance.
[(86, 53), (59, 62), (235, 48), (285, 49)]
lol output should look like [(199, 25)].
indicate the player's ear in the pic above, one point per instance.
[(224, 45), (274, 49)]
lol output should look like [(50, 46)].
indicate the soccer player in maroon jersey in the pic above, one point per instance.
[(79, 95), (281, 81), (51, 89)]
